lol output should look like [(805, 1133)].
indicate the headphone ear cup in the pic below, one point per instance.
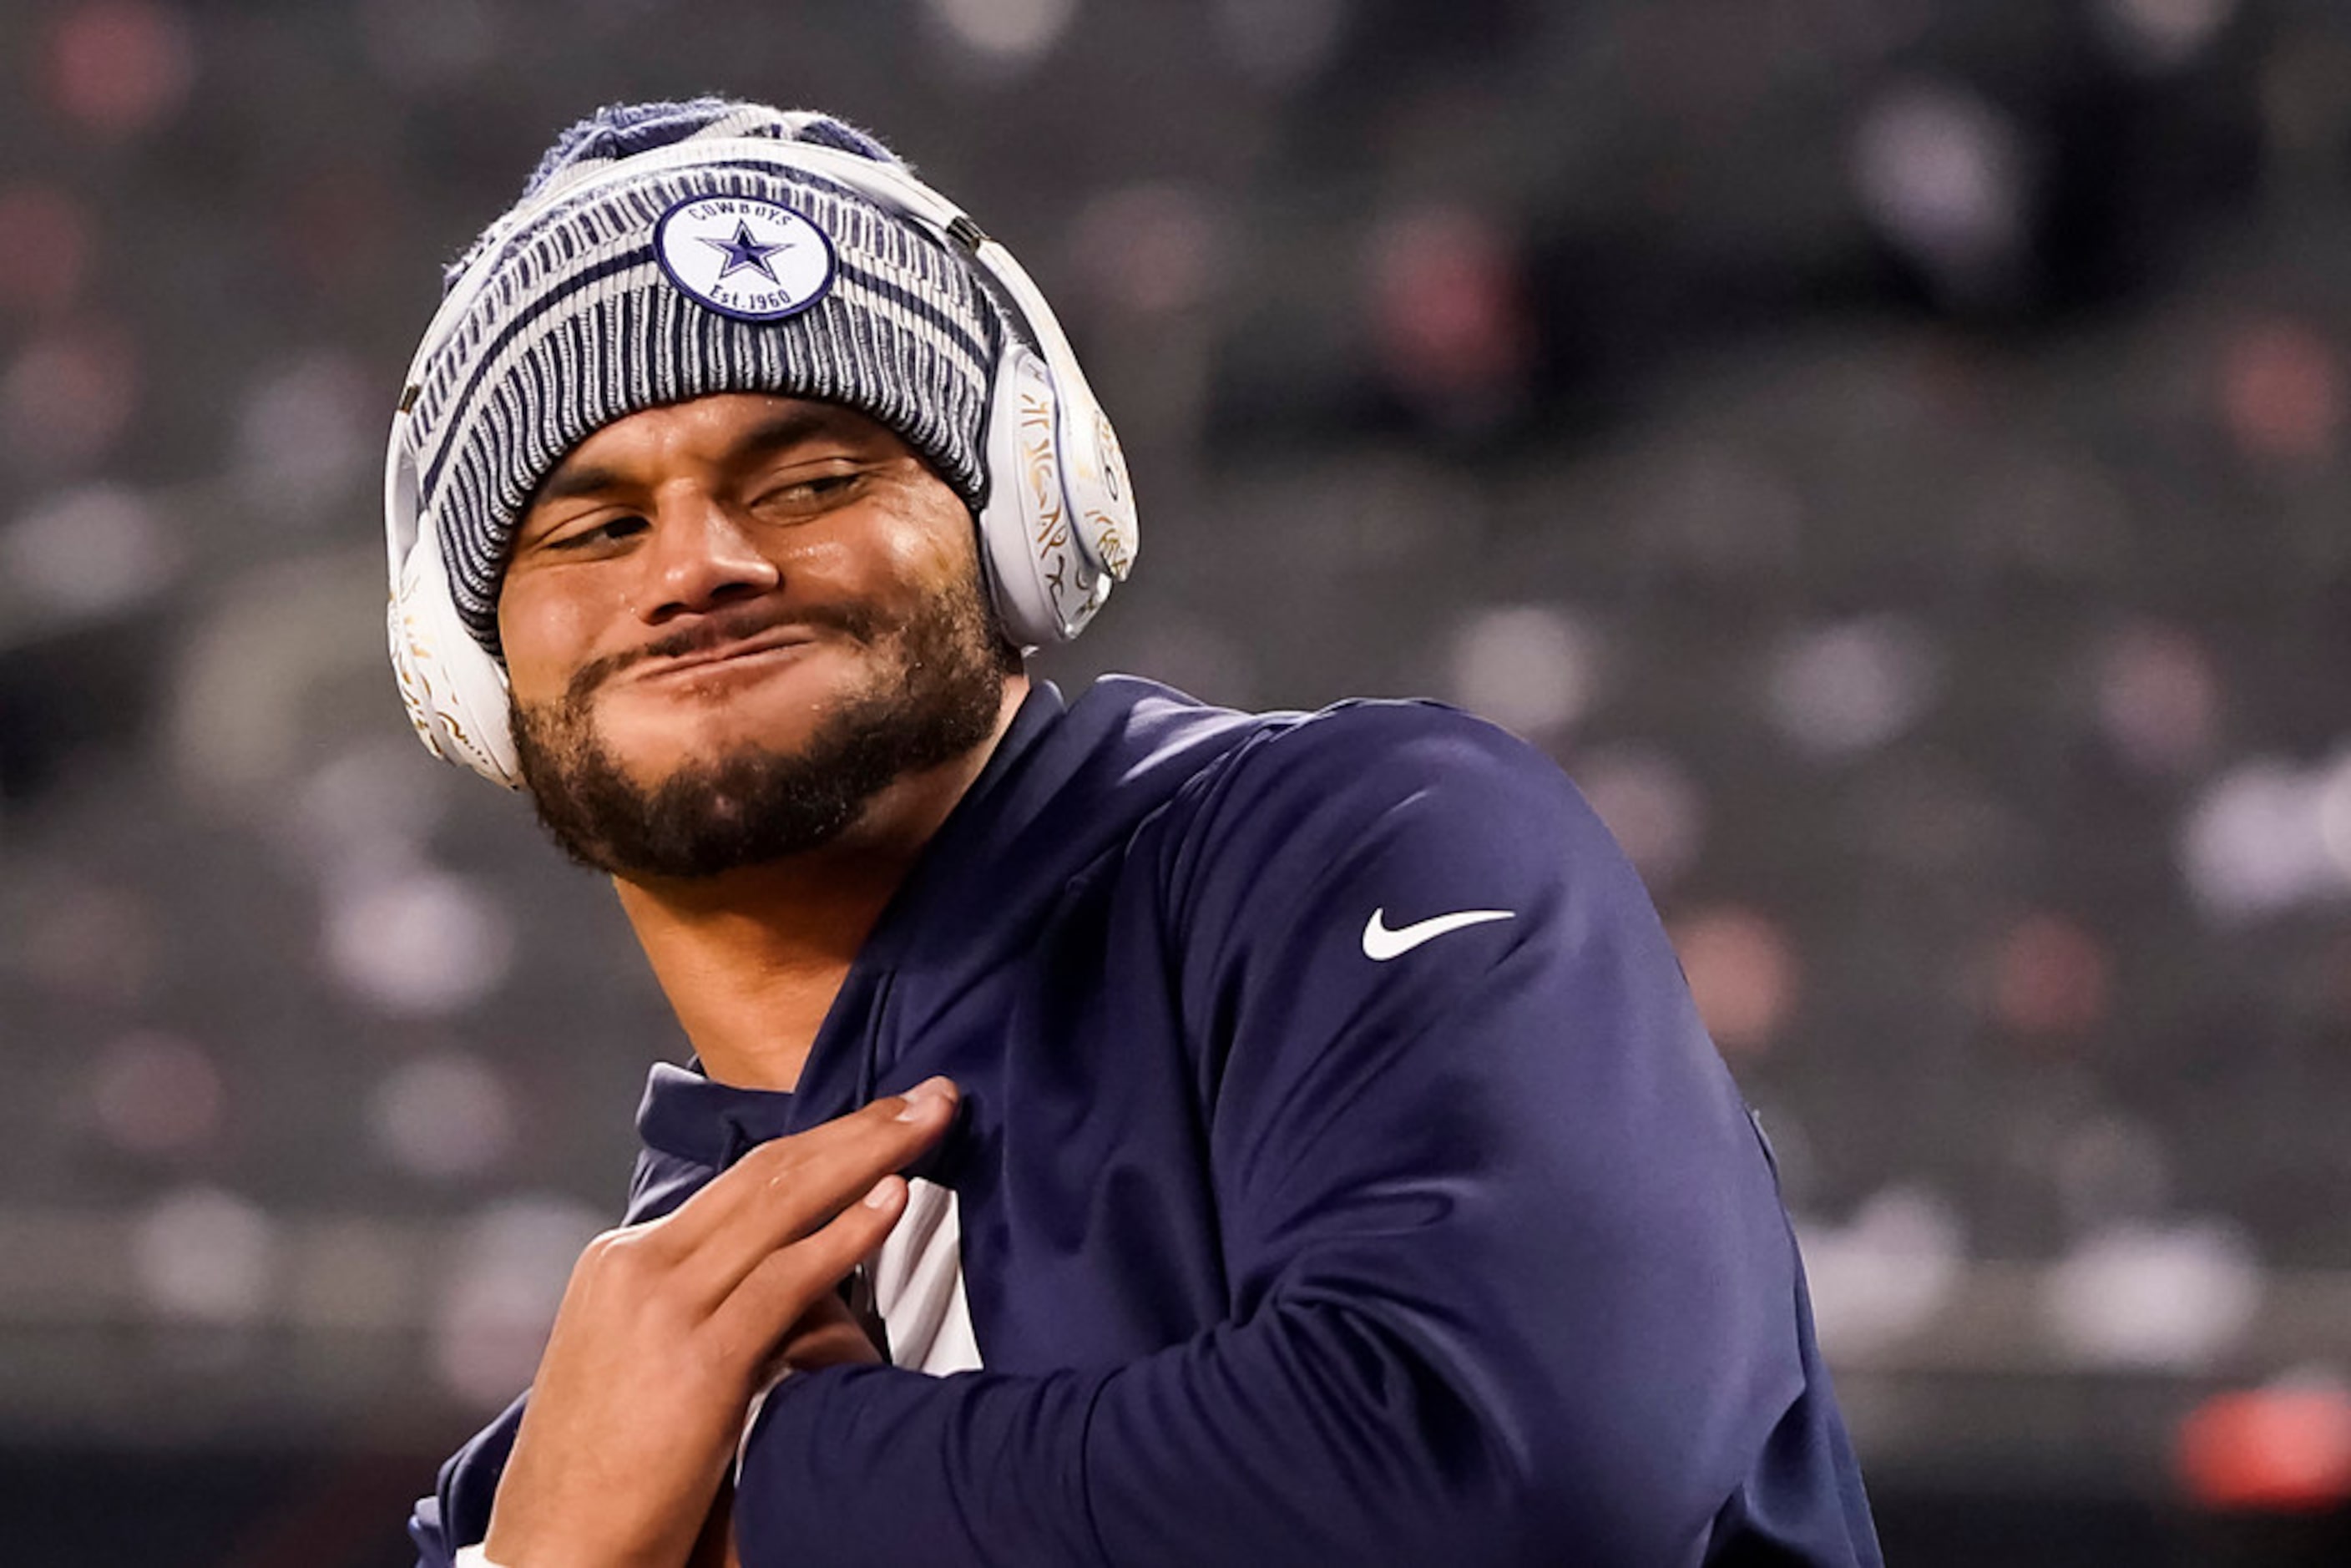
[(1101, 498), (1046, 588), (457, 695)]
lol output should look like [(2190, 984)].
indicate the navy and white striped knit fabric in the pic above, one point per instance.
[(577, 325)]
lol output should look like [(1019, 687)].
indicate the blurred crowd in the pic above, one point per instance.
[(1894, 454)]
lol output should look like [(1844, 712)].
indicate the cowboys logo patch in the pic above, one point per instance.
[(743, 257)]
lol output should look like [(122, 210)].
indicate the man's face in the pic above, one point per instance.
[(730, 623)]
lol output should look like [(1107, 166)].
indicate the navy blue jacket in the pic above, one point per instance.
[(1277, 1251)]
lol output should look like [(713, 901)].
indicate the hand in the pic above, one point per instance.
[(667, 1328)]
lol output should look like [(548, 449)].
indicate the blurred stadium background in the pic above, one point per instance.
[(1896, 454)]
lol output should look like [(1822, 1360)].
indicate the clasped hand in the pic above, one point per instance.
[(668, 1330)]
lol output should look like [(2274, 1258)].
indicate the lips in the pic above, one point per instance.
[(704, 661)]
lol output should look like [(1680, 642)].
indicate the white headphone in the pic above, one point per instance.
[(1057, 527)]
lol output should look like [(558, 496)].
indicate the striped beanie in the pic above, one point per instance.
[(602, 294)]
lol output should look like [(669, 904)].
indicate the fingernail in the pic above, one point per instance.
[(883, 1195), (926, 1096)]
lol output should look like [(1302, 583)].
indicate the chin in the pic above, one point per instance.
[(651, 760), (653, 739)]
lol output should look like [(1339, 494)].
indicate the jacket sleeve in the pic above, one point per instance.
[(457, 1514), (1510, 1278)]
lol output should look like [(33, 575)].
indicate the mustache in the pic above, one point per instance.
[(718, 628)]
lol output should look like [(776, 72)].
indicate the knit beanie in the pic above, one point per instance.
[(603, 292)]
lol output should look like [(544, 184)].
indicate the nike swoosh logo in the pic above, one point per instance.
[(1380, 944)]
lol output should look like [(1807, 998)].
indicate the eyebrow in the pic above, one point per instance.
[(572, 481)]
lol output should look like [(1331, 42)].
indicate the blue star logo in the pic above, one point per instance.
[(745, 250), (771, 262)]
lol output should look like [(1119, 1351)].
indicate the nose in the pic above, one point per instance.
[(701, 558)]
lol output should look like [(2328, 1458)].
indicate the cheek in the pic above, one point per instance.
[(896, 569), (547, 634), (934, 548), (915, 566)]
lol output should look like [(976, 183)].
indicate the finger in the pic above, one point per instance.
[(788, 1187), (844, 1157), (753, 1320), (797, 1184)]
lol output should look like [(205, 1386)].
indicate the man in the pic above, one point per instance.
[(1123, 1132)]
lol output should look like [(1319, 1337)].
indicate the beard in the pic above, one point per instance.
[(937, 692)]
